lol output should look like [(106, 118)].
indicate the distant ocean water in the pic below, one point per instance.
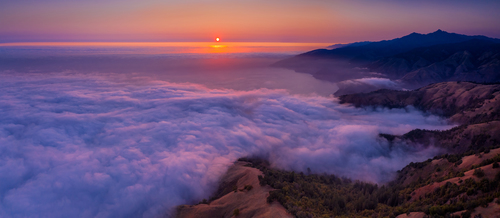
[(239, 66)]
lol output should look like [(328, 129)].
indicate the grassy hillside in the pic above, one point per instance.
[(438, 187)]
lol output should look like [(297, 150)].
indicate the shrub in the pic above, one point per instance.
[(261, 180), (236, 212), (486, 151), (471, 191), (466, 214), (495, 165), (247, 187), (479, 173), (453, 158)]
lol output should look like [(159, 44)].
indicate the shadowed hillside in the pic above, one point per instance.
[(462, 102), (415, 59), (476, 107), (474, 60), (375, 50)]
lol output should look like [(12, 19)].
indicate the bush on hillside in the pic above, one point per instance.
[(479, 173), (495, 165)]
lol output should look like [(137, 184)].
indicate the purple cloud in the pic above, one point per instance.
[(89, 146)]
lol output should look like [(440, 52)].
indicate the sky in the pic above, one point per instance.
[(326, 21)]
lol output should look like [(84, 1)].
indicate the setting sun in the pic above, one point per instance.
[(217, 39)]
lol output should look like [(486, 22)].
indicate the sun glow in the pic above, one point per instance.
[(217, 39), (178, 47), (218, 46)]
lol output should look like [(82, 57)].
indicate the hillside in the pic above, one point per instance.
[(462, 182), (239, 191), (375, 50), (473, 60), (466, 183), (415, 59), (475, 107), (462, 102)]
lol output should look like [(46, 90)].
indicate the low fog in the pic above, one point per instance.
[(365, 85), (97, 146)]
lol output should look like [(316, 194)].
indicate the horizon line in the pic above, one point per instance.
[(166, 43)]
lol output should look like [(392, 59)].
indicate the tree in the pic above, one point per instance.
[(466, 214), (236, 212), (479, 173), (495, 165)]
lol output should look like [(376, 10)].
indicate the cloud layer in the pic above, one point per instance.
[(89, 146), (365, 85)]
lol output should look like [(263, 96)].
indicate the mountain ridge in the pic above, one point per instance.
[(397, 45), (415, 60)]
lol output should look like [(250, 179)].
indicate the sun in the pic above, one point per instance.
[(217, 39)]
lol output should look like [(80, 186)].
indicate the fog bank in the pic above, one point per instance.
[(76, 145), (365, 85)]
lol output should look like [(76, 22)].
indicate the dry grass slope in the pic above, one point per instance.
[(250, 203)]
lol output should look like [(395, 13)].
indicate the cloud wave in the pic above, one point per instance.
[(86, 146), (366, 85)]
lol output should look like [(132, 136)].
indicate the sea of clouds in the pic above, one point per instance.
[(365, 85), (76, 145)]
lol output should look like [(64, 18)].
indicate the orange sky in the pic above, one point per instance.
[(257, 20), (180, 47)]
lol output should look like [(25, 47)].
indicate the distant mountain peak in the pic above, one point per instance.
[(437, 32), (383, 52), (441, 32)]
